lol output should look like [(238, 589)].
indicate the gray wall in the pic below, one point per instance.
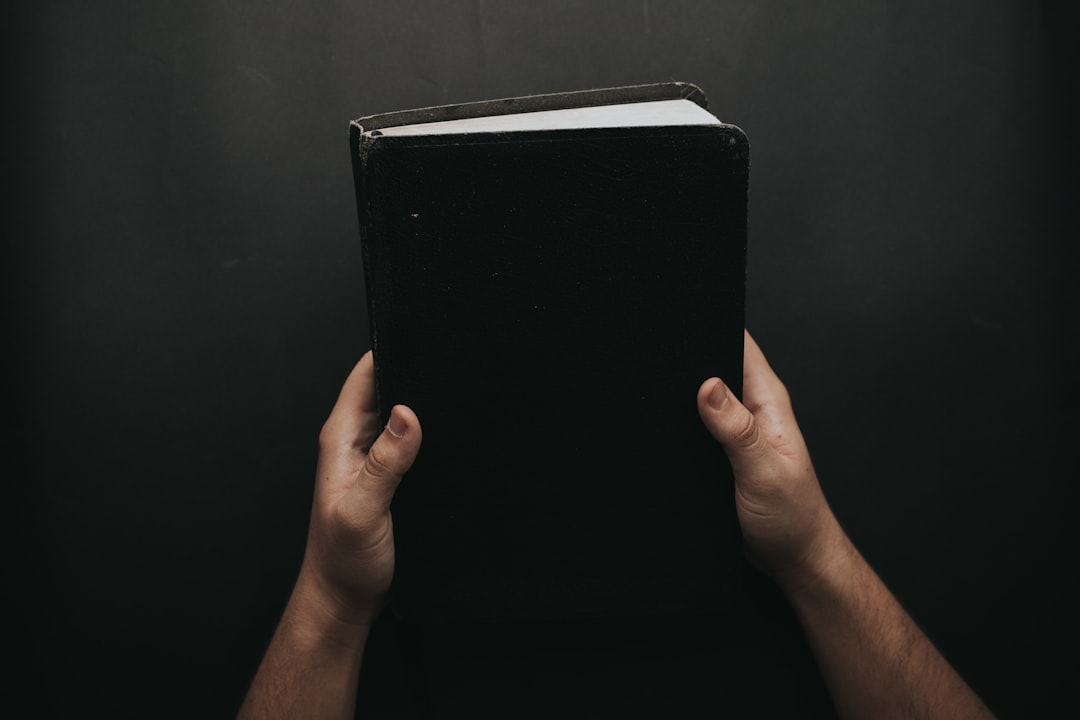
[(185, 293)]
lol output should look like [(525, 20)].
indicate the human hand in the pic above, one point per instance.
[(349, 559), (313, 661), (790, 532)]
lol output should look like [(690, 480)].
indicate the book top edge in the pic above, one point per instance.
[(536, 103), (662, 113)]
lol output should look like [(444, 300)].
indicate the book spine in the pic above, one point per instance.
[(359, 145)]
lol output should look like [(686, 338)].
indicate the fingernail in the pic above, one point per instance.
[(719, 396), (395, 426)]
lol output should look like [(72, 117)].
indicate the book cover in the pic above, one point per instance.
[(548, 301)]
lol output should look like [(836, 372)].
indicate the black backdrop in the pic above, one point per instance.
[(185, 298)]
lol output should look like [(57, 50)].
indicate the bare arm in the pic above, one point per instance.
[(312, 664), (876, 661)]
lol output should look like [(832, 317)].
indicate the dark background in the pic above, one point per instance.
[(185, 299)]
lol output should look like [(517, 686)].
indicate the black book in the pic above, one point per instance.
[(549, 280)]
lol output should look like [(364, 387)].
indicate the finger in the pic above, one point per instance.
[(390, 457), (732, 424), (761, 386), (767, 398), (354, 421)]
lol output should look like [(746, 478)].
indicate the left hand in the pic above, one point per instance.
[(349, 560)]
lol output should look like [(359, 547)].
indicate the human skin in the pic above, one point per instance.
[(312, 664), (876, 661)]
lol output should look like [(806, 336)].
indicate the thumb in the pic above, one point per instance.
[(732, 425), (390, 457)]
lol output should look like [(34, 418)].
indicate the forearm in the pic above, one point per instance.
[(876, 662), (311, 666)]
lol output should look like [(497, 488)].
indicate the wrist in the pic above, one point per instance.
[(827, 559), (323, 617)]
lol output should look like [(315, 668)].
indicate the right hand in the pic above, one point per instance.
[(349, 561), (790, 532)]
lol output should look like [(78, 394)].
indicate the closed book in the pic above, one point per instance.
[(549, 280)]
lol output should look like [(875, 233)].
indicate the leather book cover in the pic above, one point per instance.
[(548, 302)]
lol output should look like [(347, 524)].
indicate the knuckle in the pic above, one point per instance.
[(744, 429), (327, 435), (334, 434), (380, 463), (781, 393), (355, 526)]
